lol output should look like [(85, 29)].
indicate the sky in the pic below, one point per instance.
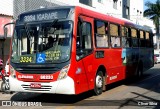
[(153, 1)]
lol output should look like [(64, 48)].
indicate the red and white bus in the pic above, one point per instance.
[(70, 50)]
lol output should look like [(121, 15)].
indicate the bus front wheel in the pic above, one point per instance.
[(98, 88), (3, 85)]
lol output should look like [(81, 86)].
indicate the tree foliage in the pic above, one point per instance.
[(153, 12)]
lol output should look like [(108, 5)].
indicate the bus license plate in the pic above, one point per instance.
[(35, 85)]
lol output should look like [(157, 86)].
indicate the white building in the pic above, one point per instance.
[(6, 7), (110, 7), (136, 11), (129, 9)]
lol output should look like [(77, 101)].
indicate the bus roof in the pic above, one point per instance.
[(121, 21), (92, 13)]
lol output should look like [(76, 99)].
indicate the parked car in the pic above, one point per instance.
[(155, 59), (158, 57)]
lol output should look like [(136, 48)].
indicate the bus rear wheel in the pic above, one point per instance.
[(139, 72), (98, 88)]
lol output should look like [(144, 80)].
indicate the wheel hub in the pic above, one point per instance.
[(99, 81)]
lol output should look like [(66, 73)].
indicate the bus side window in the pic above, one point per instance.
[(115, 36), (148, 41), (134, 36), (87, 36), (101, 34), (142, 39), (126, 37)]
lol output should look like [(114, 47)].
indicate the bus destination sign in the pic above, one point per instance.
[(44, 15)]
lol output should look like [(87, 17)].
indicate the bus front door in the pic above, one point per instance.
[(86, 49)]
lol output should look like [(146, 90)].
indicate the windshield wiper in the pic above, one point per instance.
[(55, 21), (29, 37), (27, 31)]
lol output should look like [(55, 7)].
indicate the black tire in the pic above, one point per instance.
[(139, 73), (99, 82)]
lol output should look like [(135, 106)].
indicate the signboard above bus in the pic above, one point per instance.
[(42, 15)]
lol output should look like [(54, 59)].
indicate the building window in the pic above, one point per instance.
[(127, 11), (86, 2), (115, 4), (137, 12), (100, 1), (140, 13)]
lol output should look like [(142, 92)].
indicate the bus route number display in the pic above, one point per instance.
[(44, 15), (26, 59)]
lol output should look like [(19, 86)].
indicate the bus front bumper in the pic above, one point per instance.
[(64, 86)]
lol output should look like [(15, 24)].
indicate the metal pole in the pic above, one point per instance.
[(157, 41), (3, 50), (1, 46), (158, 34)]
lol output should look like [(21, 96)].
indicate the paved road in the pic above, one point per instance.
[(132, 94)]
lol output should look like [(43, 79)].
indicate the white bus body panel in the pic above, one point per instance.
[(64, 86)]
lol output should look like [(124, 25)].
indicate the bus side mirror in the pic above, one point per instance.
[(5, 32), (7, 28)]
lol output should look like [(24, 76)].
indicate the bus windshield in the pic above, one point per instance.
[(47, 42)]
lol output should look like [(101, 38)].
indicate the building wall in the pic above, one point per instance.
[(102, 6), (105, 6), (21, 6), (5, 54), (4, 20), (136, 10), (6, 7), (6, 14)]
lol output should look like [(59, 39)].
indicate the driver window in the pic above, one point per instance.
[(87, 36), (84, 40)]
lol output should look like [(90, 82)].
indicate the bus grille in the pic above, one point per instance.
[(43, 88)]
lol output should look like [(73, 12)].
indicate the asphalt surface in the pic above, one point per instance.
[(143, 93)]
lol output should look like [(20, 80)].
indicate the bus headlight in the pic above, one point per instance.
[(12, 72), (63, 73)]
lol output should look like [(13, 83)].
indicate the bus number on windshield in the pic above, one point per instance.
[(25, 59)]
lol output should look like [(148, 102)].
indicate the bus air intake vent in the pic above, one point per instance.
[(42, 88)]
